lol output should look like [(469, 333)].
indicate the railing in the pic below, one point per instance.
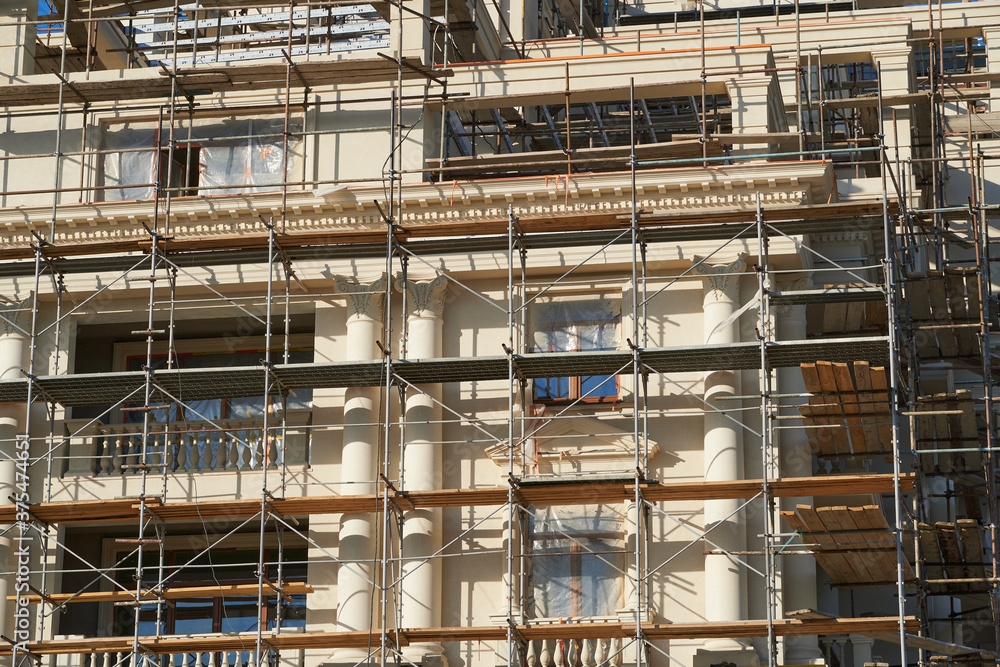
[(234, 445), (198, 659), (574, 652), (246, 658)]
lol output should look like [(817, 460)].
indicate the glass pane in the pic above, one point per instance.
[(239, 614), (552, 388), (193, 616), (599, 386)]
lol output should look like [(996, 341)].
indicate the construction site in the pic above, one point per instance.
[(482, 333)]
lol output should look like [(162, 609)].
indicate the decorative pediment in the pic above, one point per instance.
[(578, 444)]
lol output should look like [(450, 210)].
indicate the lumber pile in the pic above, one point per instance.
[(854, 545), (853, 316), (949, 423), (945, 309), (953, 551), (849, 413)]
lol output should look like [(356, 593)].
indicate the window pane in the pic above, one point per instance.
[(239, 614), (193, 616), (599, 386)]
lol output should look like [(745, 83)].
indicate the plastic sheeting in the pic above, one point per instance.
[(131, 168), (573, 326), (576, 561), (235, 155)]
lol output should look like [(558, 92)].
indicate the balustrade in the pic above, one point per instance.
[(574, 653), (188, 446)]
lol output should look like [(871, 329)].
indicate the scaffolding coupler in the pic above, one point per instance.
[(398, 499)]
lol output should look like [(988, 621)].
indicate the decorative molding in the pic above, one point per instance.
[(568, 445), (352, 209), (722, 281), (797, 311), (12, 315), (426, 298), (363, 299)]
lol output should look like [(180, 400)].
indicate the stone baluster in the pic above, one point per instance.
[(559, 656), (600, 655), (586, 657), (545, 657), (530, 659)]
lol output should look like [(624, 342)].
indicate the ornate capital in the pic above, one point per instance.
[(722, 281), (13, 316), (426, 298), (798, 311), (363, 299)]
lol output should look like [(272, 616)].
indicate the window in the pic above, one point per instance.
[(577, 561), (220, 566), (210, 157), (576, 326)]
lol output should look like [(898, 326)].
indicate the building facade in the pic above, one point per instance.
[(463, 333)]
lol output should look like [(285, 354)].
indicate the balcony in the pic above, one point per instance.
[(196, 446)]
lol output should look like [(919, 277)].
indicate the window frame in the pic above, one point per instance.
[(112, 551)]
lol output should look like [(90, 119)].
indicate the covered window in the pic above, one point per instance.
[(210, 157), (577, 561), (576, 325)]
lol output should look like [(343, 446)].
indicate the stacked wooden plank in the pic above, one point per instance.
[(953, 551), (848, 413), (945, 309), (949, 424), (854, 545), (853, 316)]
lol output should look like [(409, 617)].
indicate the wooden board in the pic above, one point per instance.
[(854, 545), (172, 644), (126, 510)]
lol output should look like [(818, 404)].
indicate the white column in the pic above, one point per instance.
[(725, 579), (991, 37), (757, 108), (17, 38), (897, 79), (13, 354), (861, 647), (798, 573), (358, 466), (421, 468)]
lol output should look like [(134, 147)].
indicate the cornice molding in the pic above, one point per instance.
[(689, 189)]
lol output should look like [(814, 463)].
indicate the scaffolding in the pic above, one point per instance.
[(891, 331)]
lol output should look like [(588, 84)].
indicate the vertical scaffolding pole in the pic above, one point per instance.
[(889, 268), (766, 444)]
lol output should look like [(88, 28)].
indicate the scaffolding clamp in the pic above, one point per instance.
[(516, 632), (515, 490), (398, 499), (277, 589)]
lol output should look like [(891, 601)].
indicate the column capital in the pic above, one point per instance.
[(797, 311), (426, 297), (363, 299), (721, 280), (12, 315)]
